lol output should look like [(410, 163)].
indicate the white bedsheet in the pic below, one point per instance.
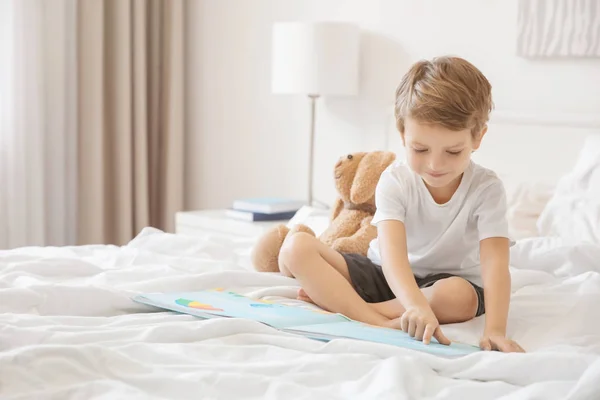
[(68, 330)]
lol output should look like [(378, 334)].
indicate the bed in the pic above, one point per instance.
[(69, 330)]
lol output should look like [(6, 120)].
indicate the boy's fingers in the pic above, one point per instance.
[(412, 327), (485, 345), (404, 324), (429, 329), (420, 331), (515, 347), (440, 336), (505, 347), (511, 347)]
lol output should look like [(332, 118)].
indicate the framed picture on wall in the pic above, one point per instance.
[(558, 28)]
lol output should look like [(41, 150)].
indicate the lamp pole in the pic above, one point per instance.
[(313, 103)]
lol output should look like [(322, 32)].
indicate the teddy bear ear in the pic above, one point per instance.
[(367, 175)]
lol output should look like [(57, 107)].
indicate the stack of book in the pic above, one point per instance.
[(264, 209)]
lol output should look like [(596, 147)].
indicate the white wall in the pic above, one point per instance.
[(245, 141)]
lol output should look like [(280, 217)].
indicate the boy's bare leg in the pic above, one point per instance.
[(390, 309), (323, 274), (304, 297), (452, 300)]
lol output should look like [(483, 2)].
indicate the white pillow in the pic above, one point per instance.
[(525, 203), (573, 212), (315, 218)]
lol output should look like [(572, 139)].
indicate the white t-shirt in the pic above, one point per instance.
[(442, 237)]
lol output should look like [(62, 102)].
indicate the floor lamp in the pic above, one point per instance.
[(315, 59)]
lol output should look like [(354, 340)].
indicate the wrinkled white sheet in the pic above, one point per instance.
[(68, 330)]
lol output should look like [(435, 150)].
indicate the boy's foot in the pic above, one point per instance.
[(393, 323), (303, 296), (386, 322), (391, 309)]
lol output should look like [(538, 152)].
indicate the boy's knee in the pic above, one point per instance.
[(457, 293), (295, 248)]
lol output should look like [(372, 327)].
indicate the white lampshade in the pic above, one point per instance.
[(318, 58)]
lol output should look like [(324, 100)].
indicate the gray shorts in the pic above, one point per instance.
[(368, 280)]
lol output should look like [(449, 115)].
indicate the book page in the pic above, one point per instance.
[(221, 303), (358, 330)]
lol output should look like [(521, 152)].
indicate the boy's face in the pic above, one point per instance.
[(437, 154)]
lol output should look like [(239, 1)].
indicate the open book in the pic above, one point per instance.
[(307, 321)]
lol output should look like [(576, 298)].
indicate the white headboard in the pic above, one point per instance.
[(525, 147)]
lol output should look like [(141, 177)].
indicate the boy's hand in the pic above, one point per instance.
[(500, 343), (421, 323)]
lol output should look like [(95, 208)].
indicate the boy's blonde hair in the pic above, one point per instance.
[(448, 91)]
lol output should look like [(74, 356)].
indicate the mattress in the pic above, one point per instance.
[(69, 330)]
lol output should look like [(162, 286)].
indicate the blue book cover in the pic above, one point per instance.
[(308, 321), (256, 216)]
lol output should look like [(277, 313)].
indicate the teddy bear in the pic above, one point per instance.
[(349, 230)]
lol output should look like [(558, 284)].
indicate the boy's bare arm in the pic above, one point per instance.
[(418, 319), (496, 283), (494, 258), (392, 245)]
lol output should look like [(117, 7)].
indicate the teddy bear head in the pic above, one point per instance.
[(356, 175)]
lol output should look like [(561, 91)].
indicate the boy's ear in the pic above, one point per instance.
[(479, 138)]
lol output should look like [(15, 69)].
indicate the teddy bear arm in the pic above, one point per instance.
[(359, 241), (337, 208)]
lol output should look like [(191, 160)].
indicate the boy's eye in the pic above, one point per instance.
[(455, 153), (420, 150)]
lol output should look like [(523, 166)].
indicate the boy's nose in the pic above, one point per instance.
[(435, 164)]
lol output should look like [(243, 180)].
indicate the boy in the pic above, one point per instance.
[(442, 232)]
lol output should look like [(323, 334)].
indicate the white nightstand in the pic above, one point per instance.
[(219, 223)]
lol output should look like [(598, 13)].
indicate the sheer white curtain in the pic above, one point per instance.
[(37, 123), (6, 119), (92, 128)]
